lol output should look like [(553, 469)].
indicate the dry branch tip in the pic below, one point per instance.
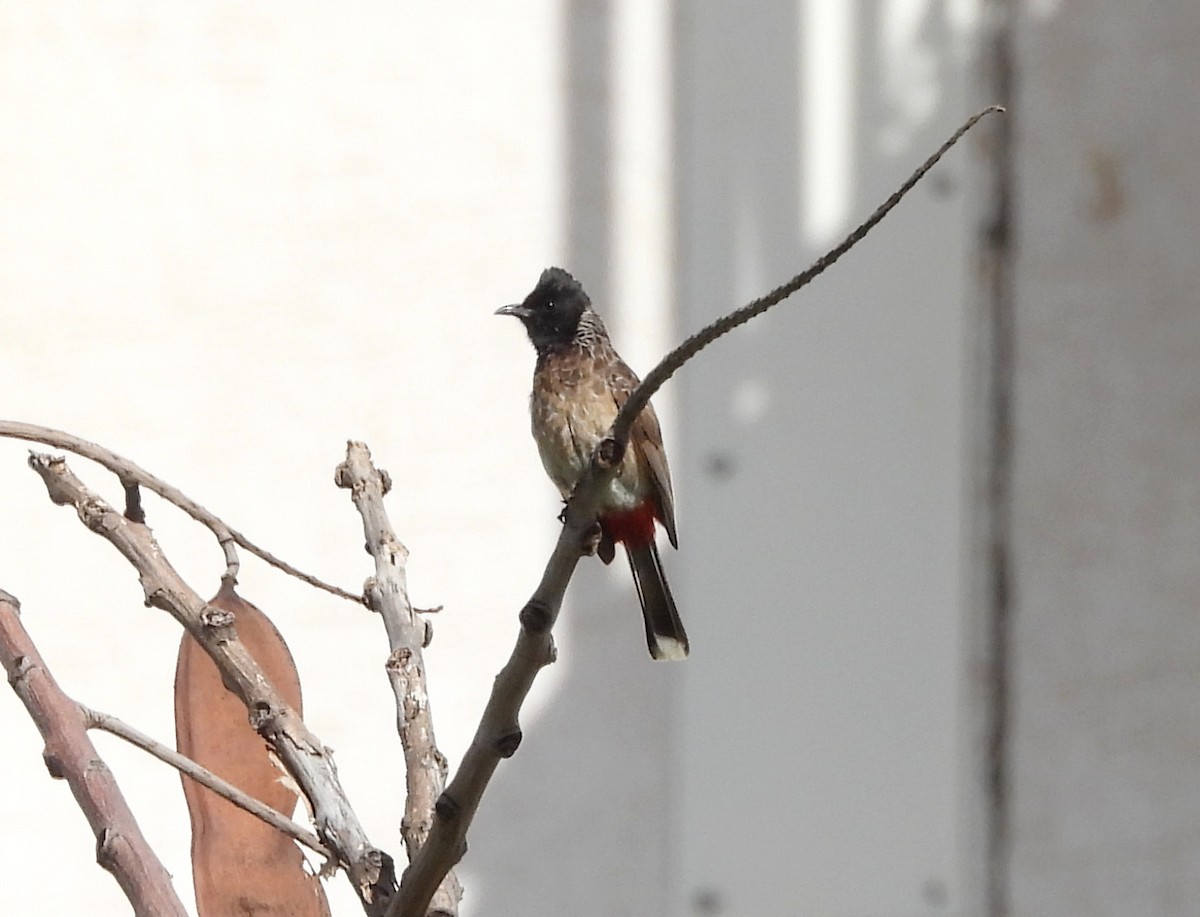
[(130, 474), (673, 361)]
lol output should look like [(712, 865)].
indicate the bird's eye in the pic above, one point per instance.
[(549, 305)]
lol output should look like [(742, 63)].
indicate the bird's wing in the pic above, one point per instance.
[(646, 439)]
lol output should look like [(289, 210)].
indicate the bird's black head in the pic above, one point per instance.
[(552, 311)]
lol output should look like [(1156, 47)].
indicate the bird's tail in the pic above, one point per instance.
[(664, 631)]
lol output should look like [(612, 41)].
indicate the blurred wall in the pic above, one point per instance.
[(823, 502), (1105, 524), (233, 236)]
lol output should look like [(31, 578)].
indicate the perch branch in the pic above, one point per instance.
[(671, 363), (303, 754), (131, 475), (120, 847), (93, 719), (499, 732), (387, 593)]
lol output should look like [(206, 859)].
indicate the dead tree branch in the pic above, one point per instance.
[(303, 754), (94, 719), (132, 475), (671, 363), (499, 732), (387, 593), (120, 847)]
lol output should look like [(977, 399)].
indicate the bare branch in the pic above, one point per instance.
[(70, 755), (132, 475), (671, 363), (499, 732), (387, 593), (303, 754), (93, 719)]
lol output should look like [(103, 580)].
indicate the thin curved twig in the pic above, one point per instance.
[(671, 363), (499, 732), (94, 719), (131, 474)]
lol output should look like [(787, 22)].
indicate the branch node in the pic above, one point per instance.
[(446, 808), (53, 765), (216, 618), (372, 594), (106, 857), (20, 669), (134, 511), (329, 867), (398, 659), (262, 717), (609, 453), (593, 536), (535, 616), (377, 865), (93, 512), (506, 745)]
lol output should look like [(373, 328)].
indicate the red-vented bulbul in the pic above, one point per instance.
[(579, 384)]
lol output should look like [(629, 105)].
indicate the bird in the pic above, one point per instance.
[(579, 384)]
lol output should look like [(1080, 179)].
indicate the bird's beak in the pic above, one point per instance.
[(520, 310)]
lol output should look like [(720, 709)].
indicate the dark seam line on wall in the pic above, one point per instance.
[(997, 257)]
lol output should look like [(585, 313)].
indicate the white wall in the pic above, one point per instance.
[(1106, 511), (231, 237), (823, 502)]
